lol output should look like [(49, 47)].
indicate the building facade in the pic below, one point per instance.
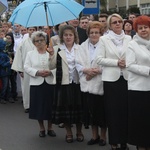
[(143, 5)]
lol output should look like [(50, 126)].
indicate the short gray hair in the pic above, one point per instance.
[(109, 19), (38, 34)]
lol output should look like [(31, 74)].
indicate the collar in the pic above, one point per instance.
[(93, 45), (63, 46)]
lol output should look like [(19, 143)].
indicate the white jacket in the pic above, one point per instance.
[(109, 56), (138, 65), (32, 65)]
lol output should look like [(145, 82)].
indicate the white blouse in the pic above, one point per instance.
[(70, 56)]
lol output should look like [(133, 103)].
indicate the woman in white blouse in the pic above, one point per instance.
[(138, 65), (68, 103), (91, 83), (112, 57), (41, 83)]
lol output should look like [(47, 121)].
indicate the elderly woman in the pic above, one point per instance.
[(91, 83), (138, 65), (67, 102), (41, 83), (112, 57)]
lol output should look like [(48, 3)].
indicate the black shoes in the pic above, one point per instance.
[(86, 126), (26, 110), (102, 142), (11, 100), (3, 101), (80, 137), (93, 141), (15, 99), (98, 140), (42, 134), (51, 133), (122, 147), (69, 138)]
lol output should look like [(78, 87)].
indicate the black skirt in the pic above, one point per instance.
[(116, 107), (68, 105), (41, 99), (139, 118), (94, 113)]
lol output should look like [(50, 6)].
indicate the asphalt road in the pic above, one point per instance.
[(18, 132)]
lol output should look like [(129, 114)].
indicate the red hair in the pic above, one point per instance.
[(95, 24), (141, 20)]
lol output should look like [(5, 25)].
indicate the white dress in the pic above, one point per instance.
[(18, 65)]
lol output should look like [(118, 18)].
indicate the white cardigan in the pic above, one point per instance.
[(32, 65), (95, 85), (138, 65)]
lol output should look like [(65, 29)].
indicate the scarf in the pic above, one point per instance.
[(116, 39), (58, 69), (142, 41)]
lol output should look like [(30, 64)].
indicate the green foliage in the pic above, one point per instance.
[(134, 9)]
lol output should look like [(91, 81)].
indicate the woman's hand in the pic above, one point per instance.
[(121, 63), (50, 50), (91, 72), (21, 74), (88, 77), (43, 73)]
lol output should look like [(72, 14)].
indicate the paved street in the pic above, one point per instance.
[(17, 132)]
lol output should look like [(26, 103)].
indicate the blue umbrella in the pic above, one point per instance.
[(45, 12)]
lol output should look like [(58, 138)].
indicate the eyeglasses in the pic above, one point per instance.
[(39, 41), (115, 22), (96, 33)]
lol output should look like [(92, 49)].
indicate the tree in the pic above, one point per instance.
[(103, 3), (135, 10)]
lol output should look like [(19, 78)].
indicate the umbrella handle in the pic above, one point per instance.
[(50, 42), (45, 7)]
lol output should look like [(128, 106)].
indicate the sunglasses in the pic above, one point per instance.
[(115, 22)]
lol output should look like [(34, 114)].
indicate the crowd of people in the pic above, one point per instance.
[(82, 72)]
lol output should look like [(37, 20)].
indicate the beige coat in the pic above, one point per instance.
[(65, 69)]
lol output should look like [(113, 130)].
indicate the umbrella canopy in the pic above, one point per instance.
[(45, 12)]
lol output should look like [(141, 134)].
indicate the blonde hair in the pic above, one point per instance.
[(109, 19)]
